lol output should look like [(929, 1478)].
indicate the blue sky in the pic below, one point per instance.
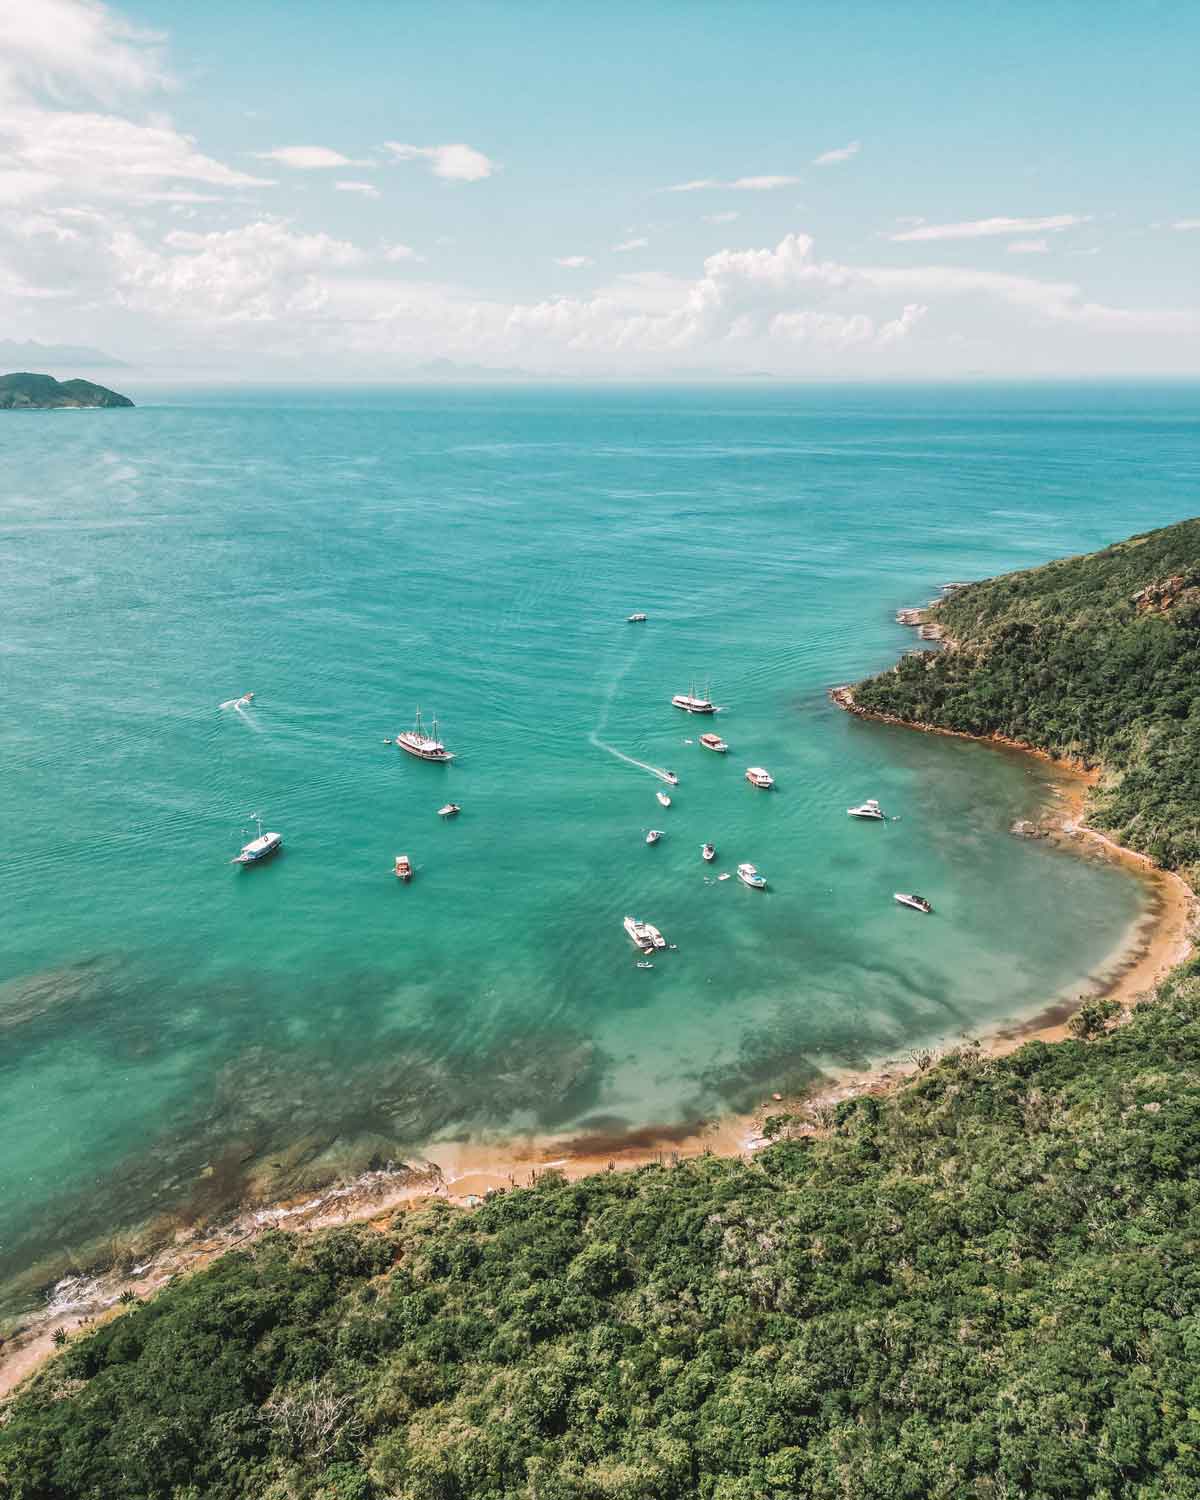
[(869, 191)]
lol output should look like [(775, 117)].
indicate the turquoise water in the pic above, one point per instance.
[(170, 1024)]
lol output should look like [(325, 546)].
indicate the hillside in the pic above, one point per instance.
[(24, 391), (1094, 657)]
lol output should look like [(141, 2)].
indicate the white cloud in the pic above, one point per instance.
[(823, 328), (910, 220), (457, 163), (1186, 224), (974, 229), (630, 245), (367, 189), (59, 47), (309, 158), (574, 262), (737, 185), (401, 252), (727, 217), (842, 153), (1027, 247)]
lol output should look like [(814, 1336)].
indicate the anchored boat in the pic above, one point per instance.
[(714, 742), (260, 847), (756, 776), (748, 875), (450, 810), (692, 703), (868, 809), (636, 619), (422, 743), (663, 798), (918, 903), (403, 867), (654, 835), (708, 853), (644, 934)]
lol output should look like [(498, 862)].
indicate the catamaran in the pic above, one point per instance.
[(260, 847), (868, 809), (424, 744)]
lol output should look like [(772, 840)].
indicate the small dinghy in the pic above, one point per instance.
[(654, 835), (403, 867), (723, 877), (644, 964), (918, 903), (708, 853), (663, 798), (449, 811)]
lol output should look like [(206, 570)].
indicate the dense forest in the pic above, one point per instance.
[(984, 1285), (1094, 657)]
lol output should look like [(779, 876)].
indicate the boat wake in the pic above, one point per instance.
[(239, 706), (596, 736)]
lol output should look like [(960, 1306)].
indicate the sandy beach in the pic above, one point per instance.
[(463, 1172)]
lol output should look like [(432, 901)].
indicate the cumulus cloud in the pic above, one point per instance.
[(1028, 247), (456, 163), (58, 48), (366, 189), (630, 245), (401, 252), (574, 262), (841, 153), (974, 229), (765, 184), (309, 158)]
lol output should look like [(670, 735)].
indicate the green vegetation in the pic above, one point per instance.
[(1095, 657), (984, 1285), (27, 392)]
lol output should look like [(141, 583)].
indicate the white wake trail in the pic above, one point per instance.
[(595, 737)]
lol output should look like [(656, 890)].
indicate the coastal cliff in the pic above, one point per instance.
[(977, 1285), (26, 392)]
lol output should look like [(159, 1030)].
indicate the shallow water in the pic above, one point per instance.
[(170, 1025)]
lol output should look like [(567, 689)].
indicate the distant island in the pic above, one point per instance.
[(26, 392)]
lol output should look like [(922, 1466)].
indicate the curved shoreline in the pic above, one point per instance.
[(463, 1172)]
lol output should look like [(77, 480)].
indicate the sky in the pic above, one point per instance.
[(629, 190)]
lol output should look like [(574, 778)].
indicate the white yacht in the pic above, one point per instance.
[(644, 934), (708, 853), (692, 703), (260, 847), (918, 903), (868, 809), (422, 743), (654, 835), (714, 742), (636, 619), (449, 810), (756, 776), (663, 798), (748, 875)]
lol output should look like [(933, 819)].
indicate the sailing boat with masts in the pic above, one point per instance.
[(422, 743)]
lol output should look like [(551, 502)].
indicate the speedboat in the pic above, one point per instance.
[(644, 934), (669, 777), (918, 903), (422, 743), (449, 810), (748, 875), (714, 742), (403, 867), (654, 835), (663, 798), (756, 776), (637, 618), (692, 703), (708, 853), (260, 847), (868, 809)]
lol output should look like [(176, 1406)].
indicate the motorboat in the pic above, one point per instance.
[(756, 776), (637, 619), (669, 777), (714, 742), (644, 964), (868, 809), (449, 810), (644, 934), (663, 798), (262, 846), (423, 743), (748, 875), (723, 877), (692, 703), (654, 835), (708, 853), (918, 903), (403, 867)]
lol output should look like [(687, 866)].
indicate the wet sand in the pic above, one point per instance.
[(464, 1172)]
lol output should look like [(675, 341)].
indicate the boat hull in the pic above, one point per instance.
[(422, 754), (691, 707)]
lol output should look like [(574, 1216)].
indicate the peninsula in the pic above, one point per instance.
[(27, 392), (980, 1283)]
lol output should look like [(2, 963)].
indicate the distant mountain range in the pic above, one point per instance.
[(18, 353), (27, 392)]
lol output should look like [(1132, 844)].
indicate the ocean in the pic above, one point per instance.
[(176, 1031)]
